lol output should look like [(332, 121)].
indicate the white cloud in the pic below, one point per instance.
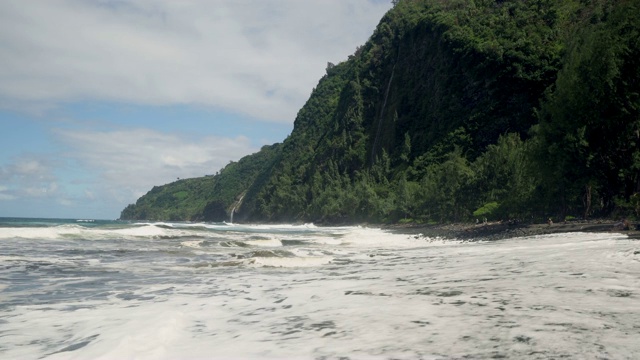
[(5, 193), (44, 190), (4, 197), (30, 167), (109, 169), (259, 58), (30, 170), (128, 163), (256, 58), (28, 176)]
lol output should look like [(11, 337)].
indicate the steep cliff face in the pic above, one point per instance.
[(428, 120), (209, 198), (433, 77)]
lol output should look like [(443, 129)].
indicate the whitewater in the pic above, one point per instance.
[(72, 289)]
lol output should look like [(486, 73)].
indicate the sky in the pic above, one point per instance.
[(100, 100)]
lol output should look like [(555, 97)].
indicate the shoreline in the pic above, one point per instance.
[(493, 231)]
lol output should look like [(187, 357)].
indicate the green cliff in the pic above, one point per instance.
[(452, 110)]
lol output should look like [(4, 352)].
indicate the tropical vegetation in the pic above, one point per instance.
[(453, 110)]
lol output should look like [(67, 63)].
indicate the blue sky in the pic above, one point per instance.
[(102, 100)]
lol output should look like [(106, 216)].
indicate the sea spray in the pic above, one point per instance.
[(174, 290)]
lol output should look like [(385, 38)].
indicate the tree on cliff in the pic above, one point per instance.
[(525, 108)]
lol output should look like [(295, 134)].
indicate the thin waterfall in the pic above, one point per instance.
[(234, 208), (232, 211), (384, 105)]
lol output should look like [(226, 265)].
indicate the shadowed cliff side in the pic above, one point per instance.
[(452, 110)]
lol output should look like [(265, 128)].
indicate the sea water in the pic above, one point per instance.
[(72, 289)]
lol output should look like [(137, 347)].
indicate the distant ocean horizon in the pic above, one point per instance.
[(111, 289), (8, 220)]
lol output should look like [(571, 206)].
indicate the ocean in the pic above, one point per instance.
[(89, 289)]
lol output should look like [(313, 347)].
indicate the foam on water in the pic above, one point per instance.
[(39, 233), (291, 262), (375, 238), (78, 231), (364, 294), (193, 243), (265, 243)]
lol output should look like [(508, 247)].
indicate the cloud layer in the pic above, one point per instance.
[(260, 58), (136, 159), (252, 60), (110, 169)]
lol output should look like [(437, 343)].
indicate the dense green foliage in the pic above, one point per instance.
[(589, 128), (209, 198), (452, 110)]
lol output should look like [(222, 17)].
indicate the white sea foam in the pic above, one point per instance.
[(280, 226), (264, 242), (371, 237), (196, 244), (291, 262), (373, 295), (38, 233), (141, 231)]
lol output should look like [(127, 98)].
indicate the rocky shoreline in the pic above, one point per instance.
[(492, 231)]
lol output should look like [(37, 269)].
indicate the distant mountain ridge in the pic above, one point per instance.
[(452, 110)]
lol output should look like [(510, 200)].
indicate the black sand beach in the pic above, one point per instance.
[(505, 230)]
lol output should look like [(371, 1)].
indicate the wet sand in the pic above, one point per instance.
[(503, 230)]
